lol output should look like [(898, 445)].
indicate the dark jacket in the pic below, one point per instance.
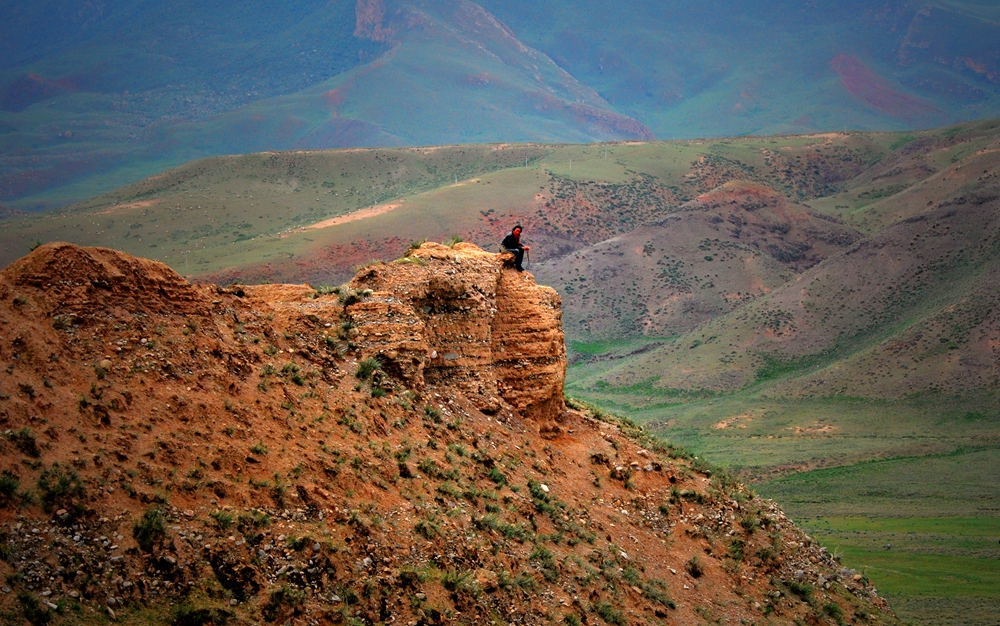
[(510, 242)]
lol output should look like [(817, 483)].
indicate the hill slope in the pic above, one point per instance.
[(239, 453), (908, 309), (707, 258)]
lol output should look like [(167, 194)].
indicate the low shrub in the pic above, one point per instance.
[(150, 529), (60, 488)]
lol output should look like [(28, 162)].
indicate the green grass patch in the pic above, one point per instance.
[(927, 574), (605, 346)]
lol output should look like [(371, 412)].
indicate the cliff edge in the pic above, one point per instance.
[(454, 316)]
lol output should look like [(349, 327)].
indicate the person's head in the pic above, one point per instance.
[(516, 230)]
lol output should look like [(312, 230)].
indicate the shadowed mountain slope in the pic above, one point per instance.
[(98, 95)]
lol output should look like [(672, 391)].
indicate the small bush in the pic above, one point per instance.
[(254, 520), (497, 476), (460, 582), (24, 440), (367, 367), (62, 322), (428, 528), (414, 260), (487, 522), (526, 581), (610, 614), (27, 389), (282, 597), (6, 552), (32, 609), (348, 296), (736, 549), (432, 414), (536, 491), (750, 523), (9, 485), (767, 555), (223, 519), (150, 529), (60, 488), (803, 590), (656, 593), (297, 544), (694, 567), (278, 491)]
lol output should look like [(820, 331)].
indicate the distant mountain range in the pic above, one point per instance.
[(95, 95)]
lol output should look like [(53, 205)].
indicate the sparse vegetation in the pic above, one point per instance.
[(694, 567), (24, 440), (59, 487), (150, 529), (367, 367)]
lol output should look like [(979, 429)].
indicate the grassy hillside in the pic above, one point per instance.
[(568, 196), (910, 308), (672, 276)]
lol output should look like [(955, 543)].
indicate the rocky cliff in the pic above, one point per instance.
[(370, 454), (454, 316)]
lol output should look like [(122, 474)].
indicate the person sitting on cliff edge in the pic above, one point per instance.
[(512, 243)]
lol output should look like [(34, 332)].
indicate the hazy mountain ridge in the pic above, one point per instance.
[(870, 317), (98, 95), (495, 89)]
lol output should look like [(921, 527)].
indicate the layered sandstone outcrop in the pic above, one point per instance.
[(457, 316)]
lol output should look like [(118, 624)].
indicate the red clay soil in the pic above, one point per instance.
[(189, 454), (875, 91)]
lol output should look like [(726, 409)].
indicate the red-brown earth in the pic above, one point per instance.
[(196, 454)]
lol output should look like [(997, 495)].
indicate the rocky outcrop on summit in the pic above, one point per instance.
[(454, 316), (75, 280)]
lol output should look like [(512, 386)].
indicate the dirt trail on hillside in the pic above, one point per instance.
[(360, 214)]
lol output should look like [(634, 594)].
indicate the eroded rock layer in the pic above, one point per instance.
[(458, 316)]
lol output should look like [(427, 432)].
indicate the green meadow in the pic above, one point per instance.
[(906, 492)]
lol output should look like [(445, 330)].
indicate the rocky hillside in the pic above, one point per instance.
[(396, 450)]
